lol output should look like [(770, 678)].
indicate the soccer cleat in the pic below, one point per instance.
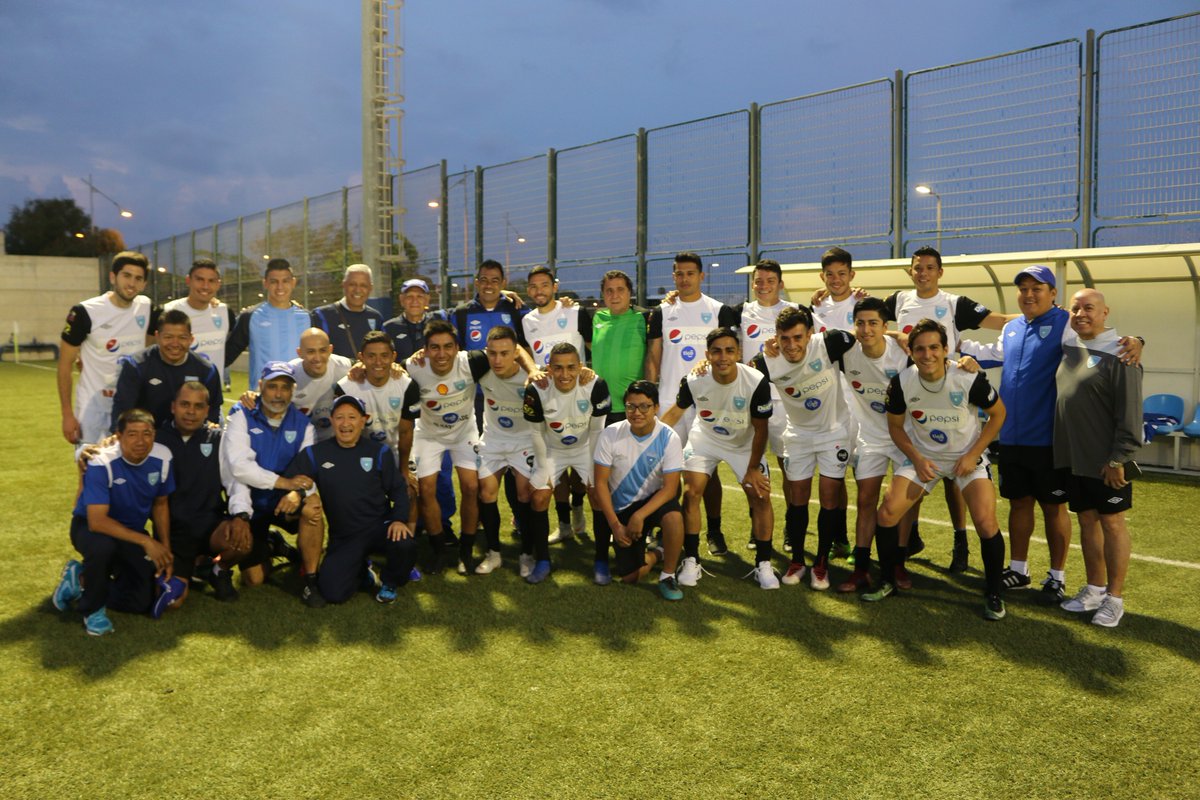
[(578, 523), (97, 623), (525, 564), (1110, 612), (993, 607), (795, 574), (716, 544), (467, 566), (539, 573), (885, 590), (601, 576), (221, 581), (1011, 579), (563, 533), (764, 573), (371, 582), (490, 563), (857, 582), (668, 587), (689, 572), (915, 544), (1086, 599), (842, 550), (386, 594), (750, 545), (960, 558), (818, 577), (787, 546), (414, 574), (311, 596), (169, 590), (902, 579), (1053, 590), (68, 589)]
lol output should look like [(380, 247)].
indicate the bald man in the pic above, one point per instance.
[(1097, 432), (318, 369)]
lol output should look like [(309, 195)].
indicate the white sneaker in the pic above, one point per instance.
[(578, 522), (764, 573), (1086, 599), (489, 563), (818, 578), (563, 533), (1110, 612), (526, 562), (689, 572)]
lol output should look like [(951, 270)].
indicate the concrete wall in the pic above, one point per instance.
[(37, 291)]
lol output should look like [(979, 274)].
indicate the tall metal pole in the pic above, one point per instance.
[(899, 167), (755, 182), (1087, 130), (642, 203), (370, 149), (938, 198), (551, 208)]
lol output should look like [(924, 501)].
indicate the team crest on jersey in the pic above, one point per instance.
[(849, 317), (140, 319), (582, 404), (460, 385), (371, 322), (394, 402), (366, 464), (289, 436), (153, 478), (506, 319), (562, 322), (1092, 361), (217, 321), (206, 449), (891, 373), (739, 403), (940, 311), (706, 317), (815, 365), (956, 398), (1044, 331)]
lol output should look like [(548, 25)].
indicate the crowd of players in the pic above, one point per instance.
[(354, 424)]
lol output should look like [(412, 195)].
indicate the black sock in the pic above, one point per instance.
[(523, 511), (489, 516), (510, 488), (564, 512), (825, 531), (862, 558), (714, 525), (960, 537), (887, 541), (603, 535), (466, 547), (539, 535), (691, 545), (901, 554), (839, 526), (762, 550), (914, 532), (576, 500), (796, 528), (992, 552)]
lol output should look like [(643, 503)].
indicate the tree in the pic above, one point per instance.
[(48, 227)]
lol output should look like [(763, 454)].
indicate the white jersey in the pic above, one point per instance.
[(543, 331), (811, 389), (758, 325), (568, 415), (831, 315), (724, 410), (683, 327), (448, 401), (504, 425), (868, 379), (314, 396), (210, 327), (637, 464), (954, 312), (942, 419), (103, 332), (387, 405)]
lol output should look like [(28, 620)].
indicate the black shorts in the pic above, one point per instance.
[(1090, 494), (260, 546), (632, 558), (613, 418), (190, 540), (1029, 472)]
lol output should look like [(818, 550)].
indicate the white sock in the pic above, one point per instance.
[(662, 576), (1059, 575), (1097, 589), (1019, 566)]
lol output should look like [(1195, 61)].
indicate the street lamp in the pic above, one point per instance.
[(508, 227), (922, 188), (92, 192)]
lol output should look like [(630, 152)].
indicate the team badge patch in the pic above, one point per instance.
[(394, 402), (372, 323), (140, 319), (706, 317), (206, 449), (366, 464), (956, 398), (289, 436), (153, 478), (562, 322), (506, 319), (739, 403), (217, 322), (940, 312), (849, 317), (1092, 361), (460, 385), (891, 373), (815, 365), (582, 404), (1044, 331)]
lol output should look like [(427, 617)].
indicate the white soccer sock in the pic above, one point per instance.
[(662, 576), (1059, 575), (1098, 589), (1019, 566)]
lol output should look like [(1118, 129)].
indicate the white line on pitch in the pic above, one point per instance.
[(35, 366)]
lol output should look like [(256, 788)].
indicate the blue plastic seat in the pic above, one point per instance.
[(1193, 428), (1163, 413)]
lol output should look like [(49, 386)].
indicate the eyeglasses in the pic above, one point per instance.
[(641, 408)]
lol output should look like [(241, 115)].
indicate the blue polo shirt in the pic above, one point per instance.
[(1032, 353), (129, 490)]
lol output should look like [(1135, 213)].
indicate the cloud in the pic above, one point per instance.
[(26, 123)]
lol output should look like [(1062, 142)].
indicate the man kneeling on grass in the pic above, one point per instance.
[(125, 486), (365, 497), (637, 468)]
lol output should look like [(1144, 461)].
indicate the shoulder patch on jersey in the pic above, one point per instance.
[(206, 449), (366, 463)]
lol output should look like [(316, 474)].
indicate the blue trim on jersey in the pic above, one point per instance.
[(637, 477)]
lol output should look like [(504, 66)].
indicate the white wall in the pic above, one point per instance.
[(37, 292)]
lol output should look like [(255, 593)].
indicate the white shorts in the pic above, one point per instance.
[(871, 460), (550, 474), (95, 421), (701, 455), (946, 470), (777, 430), (427, 453), (802, 458), (493, 460)]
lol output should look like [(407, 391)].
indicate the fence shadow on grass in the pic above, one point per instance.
[(921, 627)]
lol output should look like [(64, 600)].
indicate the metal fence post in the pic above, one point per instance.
[(755, 182), (444, 235), (304, 255), (241, 261), (642, 205), (551, 207), (1087, 164), (899, 167), (345, 225), (479, 217)]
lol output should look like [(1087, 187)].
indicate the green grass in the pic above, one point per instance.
[(490, 687)]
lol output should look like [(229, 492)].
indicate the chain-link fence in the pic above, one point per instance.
[(1085, 142)]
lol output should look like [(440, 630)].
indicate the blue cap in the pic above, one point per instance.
[(278, 369), (349, 400), (1038, 273), (414, 283)]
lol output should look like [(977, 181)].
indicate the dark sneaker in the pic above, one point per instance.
[(669, 588), (993, 607), (915, 544), (311, 596), (959, 559), (221, 581), (280, 548), (903, 579), (541, 571), (1011, 579), (842, 549), (716, 544), (370, 581), (1053, 591), (858, 581)]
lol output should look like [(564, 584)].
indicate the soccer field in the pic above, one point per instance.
[(490, 687)]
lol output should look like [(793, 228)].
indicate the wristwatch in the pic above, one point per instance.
[(242, 515), (1114, 464)]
